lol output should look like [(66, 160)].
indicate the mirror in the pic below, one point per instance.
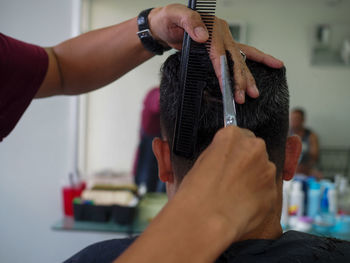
[(285, 29)]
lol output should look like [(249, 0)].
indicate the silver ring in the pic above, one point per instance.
[(243, 55)]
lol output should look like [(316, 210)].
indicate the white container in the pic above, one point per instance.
[(285, 204), (332, 200), (296, 199)]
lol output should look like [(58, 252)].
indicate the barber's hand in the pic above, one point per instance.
[(222, 40), (168, 24), (222, 199), (232, 183)]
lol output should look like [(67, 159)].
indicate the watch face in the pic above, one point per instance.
[(141, 20)]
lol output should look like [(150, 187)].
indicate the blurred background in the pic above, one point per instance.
[(102, 132)]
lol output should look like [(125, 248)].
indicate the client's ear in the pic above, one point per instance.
[(293, 150), (162, 152)]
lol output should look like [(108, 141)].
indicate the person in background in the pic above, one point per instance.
[(145, 164), (310, 147)]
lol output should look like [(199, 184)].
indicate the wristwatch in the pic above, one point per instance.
[(145, 34)]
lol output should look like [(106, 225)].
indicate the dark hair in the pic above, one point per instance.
[(267, 116), (301, 111)]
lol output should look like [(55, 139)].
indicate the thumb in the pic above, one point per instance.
[(192, 23)]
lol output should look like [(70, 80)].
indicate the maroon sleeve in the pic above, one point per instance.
[(22, 69)]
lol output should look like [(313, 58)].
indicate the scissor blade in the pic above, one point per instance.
[(228, 101)]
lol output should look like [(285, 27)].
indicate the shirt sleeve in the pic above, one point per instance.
[(22, 70)]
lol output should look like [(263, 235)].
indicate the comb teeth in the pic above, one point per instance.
[(206, 8), (193, 68)]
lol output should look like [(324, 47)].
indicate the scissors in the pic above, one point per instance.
[(228, 101)]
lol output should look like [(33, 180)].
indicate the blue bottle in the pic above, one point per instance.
[(325, 220), (313, 199)]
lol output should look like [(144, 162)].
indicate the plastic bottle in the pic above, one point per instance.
[(332, 200), (285, 204), (344, 199), (314, 198), (296, 199), (325, 220)]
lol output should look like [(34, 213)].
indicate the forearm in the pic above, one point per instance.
[(180, 233), (93, 59)]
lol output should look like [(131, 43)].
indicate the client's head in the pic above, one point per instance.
[(267, 116)]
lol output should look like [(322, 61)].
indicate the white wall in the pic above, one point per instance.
[(40, 151), (285, 29), (279, 27)]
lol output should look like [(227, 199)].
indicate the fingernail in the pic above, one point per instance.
[(255, 90), (201, 33), (240, 96), (280, 62)]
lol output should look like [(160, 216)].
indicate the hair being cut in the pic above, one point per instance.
[(267, 116)]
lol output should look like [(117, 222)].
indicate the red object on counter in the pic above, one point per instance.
[(68, 194)]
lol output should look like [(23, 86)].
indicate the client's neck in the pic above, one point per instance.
[(269, 229)]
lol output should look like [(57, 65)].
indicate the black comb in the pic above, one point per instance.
[(194, 67)]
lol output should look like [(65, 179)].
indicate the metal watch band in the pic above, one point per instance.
[(145, 34)]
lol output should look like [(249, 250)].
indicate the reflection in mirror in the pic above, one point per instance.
[(311, 37)]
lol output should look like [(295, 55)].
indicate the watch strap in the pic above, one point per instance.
[(145, 34)]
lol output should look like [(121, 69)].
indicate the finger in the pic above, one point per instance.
[(252, 90), (191, 22), (233, 134), (226, 134), (248, 133), (245, 82), (259, 56), (260, 147), (250, 85), (239, 72)]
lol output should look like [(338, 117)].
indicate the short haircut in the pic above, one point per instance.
[(301, 111), (267, 116)]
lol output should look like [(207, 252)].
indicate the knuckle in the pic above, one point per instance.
[(269, 176), (192, 16), (189, 19), (271, 170), (167, 9), (221, 135), (226, 134), (251, 78), (255, 49), (184, 22), (240, 70), (260, 144), (248, 133), (247, 145), (224, 22), (240, 82)]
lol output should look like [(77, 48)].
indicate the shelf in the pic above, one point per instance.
[(325, 57), (69, 224)]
